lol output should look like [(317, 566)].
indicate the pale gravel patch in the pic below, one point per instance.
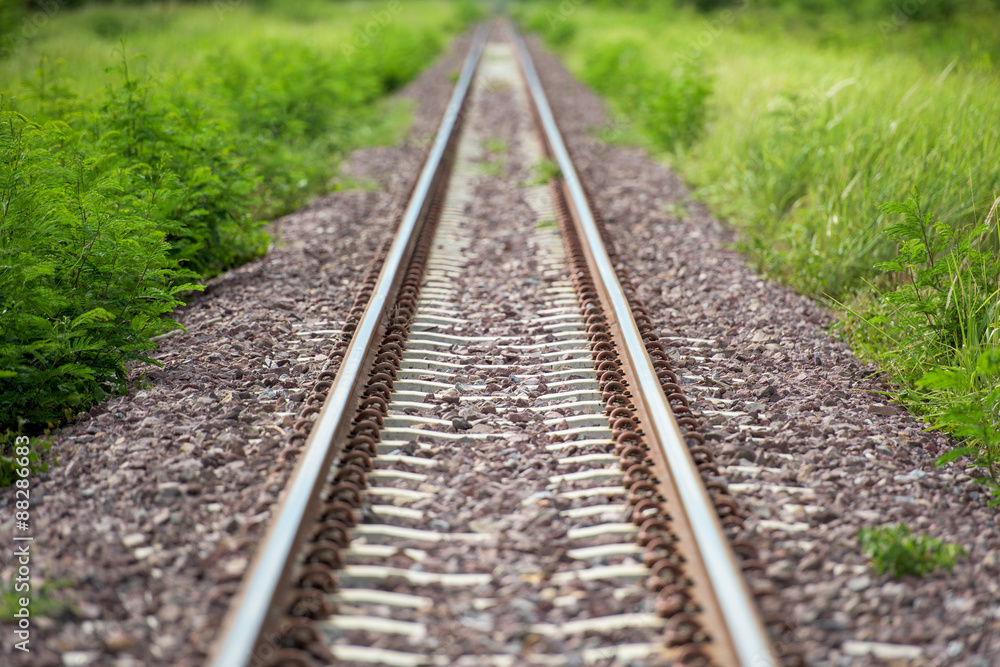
[(161, 497), (818, 414)]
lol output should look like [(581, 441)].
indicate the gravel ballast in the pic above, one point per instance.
[(815, 450)]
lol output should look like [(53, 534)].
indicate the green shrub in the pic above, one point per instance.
[(11, 12), (107, 24), (86, 274), (185, 149), (917, 10), (896, 550), (467, 12), (301, 110), (709, 5), (15, 449), (552, 23), (930, 11), (114, 204)]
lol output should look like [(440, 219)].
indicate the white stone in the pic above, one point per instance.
[(133, 540), (143, 553), (78, 658), (235, 566), (881, 650)]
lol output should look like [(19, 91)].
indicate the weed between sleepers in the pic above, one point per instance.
[(545, 171)]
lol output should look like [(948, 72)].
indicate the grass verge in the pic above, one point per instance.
[(810, 133), (140, 149)]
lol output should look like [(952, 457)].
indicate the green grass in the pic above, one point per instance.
[(803, 140), (935, 327), (497, 146), (492, 167), (142, 147), (44, 599), (183, 37), (798, 129), (897, 550), (545, 171)]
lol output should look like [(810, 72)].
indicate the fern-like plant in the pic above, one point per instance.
[(86, 275), (944, 281), (974, 415)]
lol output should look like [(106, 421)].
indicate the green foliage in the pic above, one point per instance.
[(896, 550), (11, 451), (860, 10), (630, 5), (801, 132), (117, 198), (550, 21), (188, 155), (545, 171), (972, 396), (709, 5), (944, 281), (668, 105), (821, 112), (806, 176), (43, 602), (301, 110), (937, 329), (86, 273), (11, 14), (467, 12)]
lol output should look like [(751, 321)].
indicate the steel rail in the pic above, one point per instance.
[(741, 616), (248, 620)]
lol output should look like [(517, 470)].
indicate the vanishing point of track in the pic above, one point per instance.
[(504, 470)]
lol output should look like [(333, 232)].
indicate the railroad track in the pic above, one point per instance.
[(504, 470)]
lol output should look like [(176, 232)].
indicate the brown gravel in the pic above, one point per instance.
[(145, 527), (811, 416)]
